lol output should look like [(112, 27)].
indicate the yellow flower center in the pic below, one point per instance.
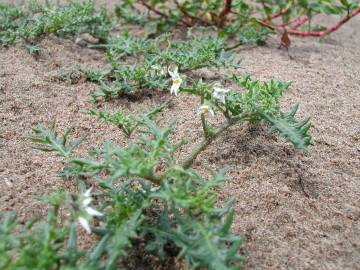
[(205, 109), (177, 81)]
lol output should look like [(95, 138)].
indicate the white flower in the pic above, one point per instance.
[(85, 224), (203, 109), (86, 212), (220, 93), (176, 81)]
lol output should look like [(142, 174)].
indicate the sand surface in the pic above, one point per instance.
[(294, 210)]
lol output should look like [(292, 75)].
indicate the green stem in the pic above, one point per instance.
[(152, 177), (209, 139), (196, 151), (203, 120)]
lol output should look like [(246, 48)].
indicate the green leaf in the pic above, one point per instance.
[(121, 240), (99, 249), (48, 141), (289, 128), (208, 243), (344, 3)]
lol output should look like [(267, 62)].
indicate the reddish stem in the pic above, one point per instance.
[(227, 9), (295, 23), (274, 16), (309, 33), (328, 30), (300, 23)]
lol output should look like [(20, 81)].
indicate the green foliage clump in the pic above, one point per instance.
[(145, 191), (246, 21), (126, 122), (290, 129), (165, 204), (256, 95), (49, 141), (171, 208), (153, 58), (33, 21), (254, 102)]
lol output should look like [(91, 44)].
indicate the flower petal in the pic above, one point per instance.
[(203, 109), (86, 201), (222, 99), (175, 88), (176, 71), (220, 93), (174, 74), (211, 111), (171, 73), (88, 192), (85, 224), (93, 212)]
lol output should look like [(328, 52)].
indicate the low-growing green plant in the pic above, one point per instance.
[(146, 192), (165, 204), (50, 142), (255, 102), (126, 122), (33, 49), (171, 208), (53, 244), (35, 20), (153, 59)]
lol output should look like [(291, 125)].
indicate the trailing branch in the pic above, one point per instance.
[(276, 15), (226, 10), (208, 140), (327, 31), (165, 16)]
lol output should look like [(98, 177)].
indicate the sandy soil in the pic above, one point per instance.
[(294, 210)]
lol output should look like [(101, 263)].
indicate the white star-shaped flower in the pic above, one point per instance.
[(219, 93), (176, 81), (87, 212), (205, 109)]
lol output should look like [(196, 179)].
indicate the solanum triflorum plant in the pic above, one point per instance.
[(255, 102), (144, 193), (138, 63)]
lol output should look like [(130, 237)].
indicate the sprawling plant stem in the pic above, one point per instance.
[(328, 30), (207, 140), (296, 32), (197, 150), (226, 10), (161, 14), (276, 15)]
